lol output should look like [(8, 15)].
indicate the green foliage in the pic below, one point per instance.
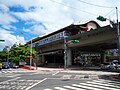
[(3, 55), (21, 53)]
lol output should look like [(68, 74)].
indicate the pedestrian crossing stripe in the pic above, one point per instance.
[(75, 88), (82, 86), (59, 88), (22, 71), (66, 76), (80, 77), (99, 84)]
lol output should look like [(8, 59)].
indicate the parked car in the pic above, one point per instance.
[(5, 65), (14, 65)]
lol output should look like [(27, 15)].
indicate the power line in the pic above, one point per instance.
[(95, 4), (110, 12), (73, 7)]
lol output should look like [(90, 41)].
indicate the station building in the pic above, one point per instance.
[(74, 44)]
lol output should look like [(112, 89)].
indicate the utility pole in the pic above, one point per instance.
[(118, 33), (30, 51), (101, 18), (31, 54)]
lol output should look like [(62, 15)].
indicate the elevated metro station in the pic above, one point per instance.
[(84, 43)]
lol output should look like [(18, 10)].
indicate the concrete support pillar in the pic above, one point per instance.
[(103, 59), (43, 58), (69, 57)]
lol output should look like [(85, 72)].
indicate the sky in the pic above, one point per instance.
[(23, 20)]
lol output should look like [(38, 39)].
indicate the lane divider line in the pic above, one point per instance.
[(36, 84), (55, 73)]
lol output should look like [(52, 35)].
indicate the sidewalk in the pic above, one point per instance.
[(88, 70), (73, 68), (41, 68)]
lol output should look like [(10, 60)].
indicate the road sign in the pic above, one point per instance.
[(2, 40), (30, 55)]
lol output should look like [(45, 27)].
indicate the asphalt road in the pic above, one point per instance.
[(18, 79)]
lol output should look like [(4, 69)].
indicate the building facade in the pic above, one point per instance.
[(60, 49)]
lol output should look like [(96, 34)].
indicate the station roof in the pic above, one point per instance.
[(70, 27)]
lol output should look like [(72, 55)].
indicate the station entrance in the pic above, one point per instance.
[(54, 59)]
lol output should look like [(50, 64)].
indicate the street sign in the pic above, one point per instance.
[(30, 55), (2, 40), (75, 41)]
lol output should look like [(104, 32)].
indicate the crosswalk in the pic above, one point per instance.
[(12, 72), (18, 72), (99, 84), (77, 77)]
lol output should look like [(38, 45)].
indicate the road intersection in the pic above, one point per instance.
[(21, 79)]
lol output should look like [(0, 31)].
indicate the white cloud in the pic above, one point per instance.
[(3, 8), (9, 38), (6, 19), (53, 14)]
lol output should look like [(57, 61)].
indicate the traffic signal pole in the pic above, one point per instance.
[(31, 54), (118, 34), (101, 18)]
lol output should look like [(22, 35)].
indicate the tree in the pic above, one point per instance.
[(21, 53), (3, 55)]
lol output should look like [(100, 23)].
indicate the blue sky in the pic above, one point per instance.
[(22, 20)]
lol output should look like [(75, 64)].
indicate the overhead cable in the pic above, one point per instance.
[(110, 12), (73, 7), (95, 4)]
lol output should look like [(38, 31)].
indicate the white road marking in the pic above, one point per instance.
[(66, 76), (59, 88), (10, 80), (81, 86), (105, 86), (36, 84), (108, 81), (79, 77), (75, 88), (47, 89), (55, 73)]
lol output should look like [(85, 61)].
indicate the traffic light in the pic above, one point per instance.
[(75, 41), (2, 40), (101, 18)]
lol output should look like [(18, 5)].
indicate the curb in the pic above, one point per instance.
[(27, 67), (116, 77)]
